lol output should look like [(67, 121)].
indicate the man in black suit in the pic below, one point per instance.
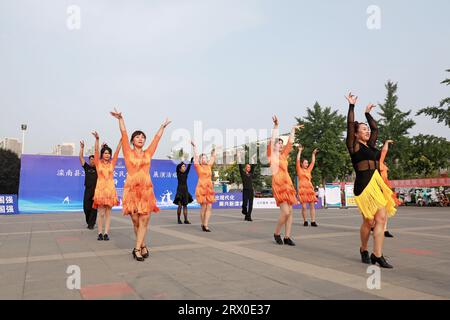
[(247, 193)]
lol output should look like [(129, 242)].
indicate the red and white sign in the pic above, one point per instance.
[(415, 183)]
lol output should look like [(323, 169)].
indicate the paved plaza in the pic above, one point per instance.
[(237, 260)]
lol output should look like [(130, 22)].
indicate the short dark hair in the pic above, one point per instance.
[(358, 124), (200, 157), (137, 133), (105, 148), (279, 139), (91, 157)]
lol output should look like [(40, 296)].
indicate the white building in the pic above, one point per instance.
[(11, 144), (65, 149)]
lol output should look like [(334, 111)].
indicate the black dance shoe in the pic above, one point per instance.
[(179, 221), (305, 224), (289, 242), (106, 237), (387, 234), (146, 254), (381, 261), (186, 222), (248, 218), (364, 256), (278, 239), (314, 224), (141, 258), (203, 228), (207, 229), (100, 237)]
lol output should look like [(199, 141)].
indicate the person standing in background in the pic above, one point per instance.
[(90, 182), (247, 192), (322, 195)]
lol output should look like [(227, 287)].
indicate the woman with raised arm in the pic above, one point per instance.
[(372, 196), (183, 197), (384, 174), (282, 186), (105, 196), (306, 193), (138, 197), (204, 193)]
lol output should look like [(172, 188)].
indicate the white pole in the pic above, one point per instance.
[(23, 141)]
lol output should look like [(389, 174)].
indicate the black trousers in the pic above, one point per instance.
[(247, 201), (89, 212)]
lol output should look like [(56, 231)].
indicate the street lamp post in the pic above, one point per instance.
[(24, 128)]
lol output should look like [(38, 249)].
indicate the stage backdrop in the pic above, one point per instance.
[(56, 183)]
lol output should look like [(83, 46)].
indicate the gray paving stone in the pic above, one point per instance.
[(228, 263)]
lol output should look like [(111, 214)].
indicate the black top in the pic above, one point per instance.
[(182, 176), (90, 176), (365, 159), (247, 177)]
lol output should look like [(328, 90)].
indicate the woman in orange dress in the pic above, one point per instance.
[(138, 197), (105, 196), (384, 174), (306, 192), (204, 193), (282, 186)]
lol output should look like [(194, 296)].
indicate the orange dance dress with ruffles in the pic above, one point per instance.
[(204, 193), (138, 195), (282, 186), (306, 192), (384, 174), (105, 191)]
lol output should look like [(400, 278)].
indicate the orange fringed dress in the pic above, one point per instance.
[(306, 192), (384, 174), (282, 186), (204, 193), (138, 195), (105, 191)]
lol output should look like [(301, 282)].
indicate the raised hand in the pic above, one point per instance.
[(116, 114), (166, 123), (315, 151), (300, 148), (351, 98), (193, 144), (275, 121), (95, 134), (82, 144), (389, 141), (369, 107)]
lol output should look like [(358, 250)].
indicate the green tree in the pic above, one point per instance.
[(395, 125), (442, 112), (9, 172), (324, 129), (427, 154), (232, 174)]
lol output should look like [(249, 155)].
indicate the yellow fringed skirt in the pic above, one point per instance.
[(376, 195)]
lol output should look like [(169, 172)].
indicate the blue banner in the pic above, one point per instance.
[(56, 183), (8, 204), (228, 200)]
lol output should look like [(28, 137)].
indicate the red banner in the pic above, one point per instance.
[(427, 183)]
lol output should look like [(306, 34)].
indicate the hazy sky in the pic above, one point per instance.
[(229, 63)]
